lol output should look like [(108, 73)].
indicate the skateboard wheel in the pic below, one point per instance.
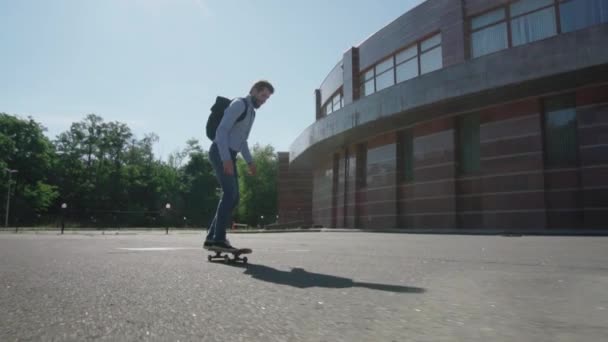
[(209, 257), (226, 258), (245, 260)]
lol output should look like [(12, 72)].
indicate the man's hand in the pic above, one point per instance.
[(252, 169), (228, 167)]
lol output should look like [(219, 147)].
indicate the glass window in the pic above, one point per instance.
[(533, 26), (488, 18), (368, 87), (328, 109), (561, 146), (408, 158), (403, 65), (578, 14), (385, 80), (431, 60), (407, 70), (431, 42), (488, 40), (336, 102), (468, 137), (361, 167), (384, 65), (368, 75), (525, 6), (407, 54)]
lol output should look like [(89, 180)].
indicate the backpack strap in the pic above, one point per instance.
[(244, 114)]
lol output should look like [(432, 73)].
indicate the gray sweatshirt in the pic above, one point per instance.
[(232, 135)]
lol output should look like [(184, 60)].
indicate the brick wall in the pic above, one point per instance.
[(592, 114), (294, 188), (322, 186), (378, 197), (428, 202)]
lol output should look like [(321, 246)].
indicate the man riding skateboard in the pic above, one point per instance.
[(229, 139)]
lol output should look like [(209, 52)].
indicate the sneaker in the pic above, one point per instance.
[(224, 245), (208, 243)]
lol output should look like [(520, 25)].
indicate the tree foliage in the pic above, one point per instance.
[(24, 148), (258, 203), (108, 177)]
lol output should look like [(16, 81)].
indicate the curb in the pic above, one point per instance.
[(489, 232)]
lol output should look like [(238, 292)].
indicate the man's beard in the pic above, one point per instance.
[(256, 103)]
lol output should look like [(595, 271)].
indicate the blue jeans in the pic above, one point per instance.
[(230, 196)]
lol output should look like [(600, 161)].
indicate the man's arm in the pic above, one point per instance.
[(247, 156), (231, 114), (246, 153)]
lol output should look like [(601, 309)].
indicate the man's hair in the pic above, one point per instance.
[(260, 85)]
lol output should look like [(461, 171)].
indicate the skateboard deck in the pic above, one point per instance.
[(223, 254)]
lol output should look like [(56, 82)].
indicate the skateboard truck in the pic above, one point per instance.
[(224, 254)]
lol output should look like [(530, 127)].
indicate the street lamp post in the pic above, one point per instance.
[(8, 196), (168, 207), (64, 206)]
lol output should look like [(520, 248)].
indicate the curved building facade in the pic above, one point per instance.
[(461, 114)]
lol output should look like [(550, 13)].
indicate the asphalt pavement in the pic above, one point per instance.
[(321, 286)]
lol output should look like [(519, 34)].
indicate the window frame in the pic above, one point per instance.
[(559, 17), (508, 20), (372, 73), (568, 102), (524, 14), (460, 123), (328, 107), (405, 149), (471, 30)]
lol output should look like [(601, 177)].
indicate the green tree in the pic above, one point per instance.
[(200, 196), (78, 150), (109, 177), (105, 173), (258, 193), (24, 147)]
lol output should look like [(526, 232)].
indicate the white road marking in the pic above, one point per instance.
[(155, 249), (160, 249)]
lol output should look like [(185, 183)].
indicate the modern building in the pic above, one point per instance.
[(461, 114)]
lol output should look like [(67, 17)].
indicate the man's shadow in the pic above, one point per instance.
[(300, 278)]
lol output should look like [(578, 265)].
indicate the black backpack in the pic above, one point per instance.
[(217, 113)]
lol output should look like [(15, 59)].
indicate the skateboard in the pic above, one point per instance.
[(236, 254)]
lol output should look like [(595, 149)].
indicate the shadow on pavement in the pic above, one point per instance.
[(300, 278)]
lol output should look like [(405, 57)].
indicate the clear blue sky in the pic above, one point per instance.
[(157, 65)]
